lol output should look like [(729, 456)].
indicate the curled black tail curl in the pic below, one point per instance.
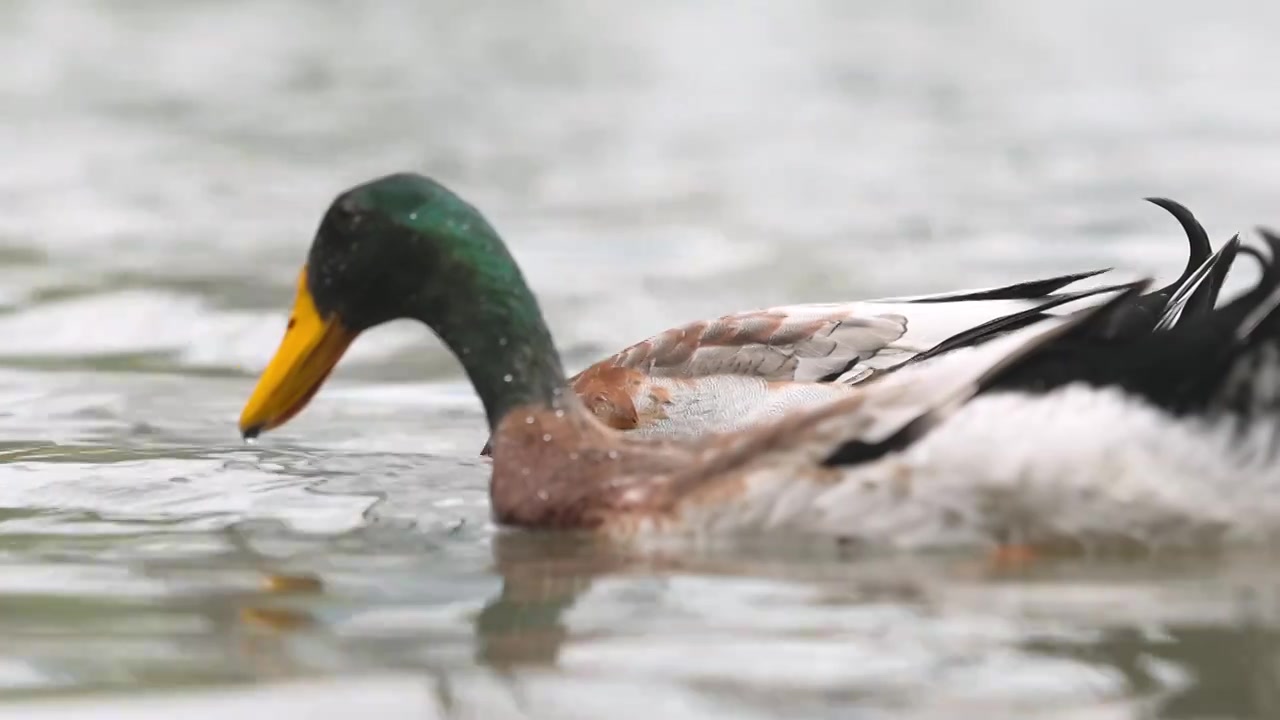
[(1201, 358)]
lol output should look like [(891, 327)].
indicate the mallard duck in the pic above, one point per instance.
[(1057, 431), (745, 368)]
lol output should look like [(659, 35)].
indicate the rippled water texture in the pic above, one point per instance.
[(164, 164)]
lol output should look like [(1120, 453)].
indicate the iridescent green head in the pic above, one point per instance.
[(405, 246)]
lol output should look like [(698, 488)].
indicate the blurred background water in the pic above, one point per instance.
[(163, 165)]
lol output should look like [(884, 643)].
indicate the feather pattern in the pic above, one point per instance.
[(727, 373), (807, 343), (723, 374)]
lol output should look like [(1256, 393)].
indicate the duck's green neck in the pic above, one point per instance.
[(485, 312)]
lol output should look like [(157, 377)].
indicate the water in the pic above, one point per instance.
[(649, 163)]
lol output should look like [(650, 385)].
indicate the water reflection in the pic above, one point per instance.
[(543, 575), (777, 631), (1197, 651), (1234, 668)]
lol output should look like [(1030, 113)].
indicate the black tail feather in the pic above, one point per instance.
[(1028, 290), (1008, 323), (1198, 295), (1227, 358), (1201, 247), (1204, 299), (1195, 293), (1249, 378), (1086, 322), (1142, 314)]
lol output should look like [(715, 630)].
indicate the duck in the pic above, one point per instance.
[(1058, 433), (748, 367)]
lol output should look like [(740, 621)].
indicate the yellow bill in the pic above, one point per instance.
[(309, 351)]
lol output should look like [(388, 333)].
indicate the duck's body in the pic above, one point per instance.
[(1079, 467), (881, 462)]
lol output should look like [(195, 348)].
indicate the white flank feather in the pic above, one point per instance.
[(1091, 468)]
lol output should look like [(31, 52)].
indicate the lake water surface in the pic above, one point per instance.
[(163, 165)]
